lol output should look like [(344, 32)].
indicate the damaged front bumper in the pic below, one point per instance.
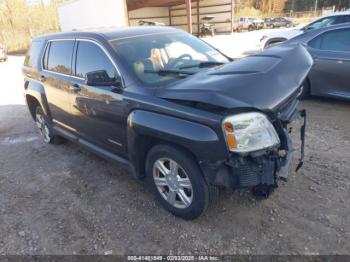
[(262, 168)]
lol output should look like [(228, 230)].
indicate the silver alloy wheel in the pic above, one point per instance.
[(172, 183), (43, 128)]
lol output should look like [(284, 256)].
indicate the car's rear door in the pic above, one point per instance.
[(56, 76), (331, 72), (97, 111)]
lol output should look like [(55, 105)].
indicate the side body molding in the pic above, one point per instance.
[(200, 140)]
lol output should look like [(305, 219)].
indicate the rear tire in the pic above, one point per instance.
[(175, 176), (45, 128)]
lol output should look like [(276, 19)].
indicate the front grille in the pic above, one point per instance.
[(252, 172), (288, 110), (249, 176)]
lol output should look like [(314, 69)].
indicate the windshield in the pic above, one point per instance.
[(324, 22), (164, 58)]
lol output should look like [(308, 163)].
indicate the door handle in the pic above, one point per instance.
[(75, 88), (42, 78)]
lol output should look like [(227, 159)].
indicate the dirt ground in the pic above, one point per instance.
[(65, 200)]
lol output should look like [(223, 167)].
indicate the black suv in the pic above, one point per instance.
[(169, 107)]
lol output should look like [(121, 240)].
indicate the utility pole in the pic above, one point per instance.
[(189, 16), (316, 5), (232, 14)]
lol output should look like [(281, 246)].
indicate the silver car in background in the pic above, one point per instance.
[(271, 39), (330, 49)]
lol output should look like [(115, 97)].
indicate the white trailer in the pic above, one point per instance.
[(92, 14)]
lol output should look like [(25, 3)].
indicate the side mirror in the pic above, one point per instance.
[(101, 78)]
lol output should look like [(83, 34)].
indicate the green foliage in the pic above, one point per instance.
[(307, 5)]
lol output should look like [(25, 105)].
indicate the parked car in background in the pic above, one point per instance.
[(279, 22), (3, 54), (170, 108), (235, 25), (244, 23), (206, 28), (330, 49), (150, 23), (259, 23), (267, 22), (328, 20)]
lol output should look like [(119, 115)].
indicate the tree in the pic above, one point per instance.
[(307, 5), (19, 22)]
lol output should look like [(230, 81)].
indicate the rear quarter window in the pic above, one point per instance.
[(33, 55), (59, 57)]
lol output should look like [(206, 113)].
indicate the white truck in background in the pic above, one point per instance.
[(92, 14)]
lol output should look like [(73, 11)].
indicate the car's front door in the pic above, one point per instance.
[(97, 111), (331, 72)]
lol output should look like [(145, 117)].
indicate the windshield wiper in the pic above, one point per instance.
[(203, 64), (169, 72)]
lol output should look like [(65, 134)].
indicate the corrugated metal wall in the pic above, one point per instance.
[(155, 14), (176, 15), (220, 9)]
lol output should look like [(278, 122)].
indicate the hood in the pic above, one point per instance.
[(262, 81), (287, 34)]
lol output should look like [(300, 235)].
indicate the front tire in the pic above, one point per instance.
[(177, 181)]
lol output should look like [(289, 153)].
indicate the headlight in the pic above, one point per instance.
[(248, 132)]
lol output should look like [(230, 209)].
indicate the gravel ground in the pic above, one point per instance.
[(65, 200)]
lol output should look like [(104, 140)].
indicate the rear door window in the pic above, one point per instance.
[(336, 40), (33, 54), (60, 56), (90, 58)]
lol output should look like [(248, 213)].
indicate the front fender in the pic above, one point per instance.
[(202, 141)]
